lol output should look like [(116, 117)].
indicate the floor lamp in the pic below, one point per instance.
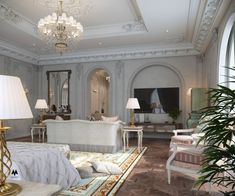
[(132, 104), (13, 105)]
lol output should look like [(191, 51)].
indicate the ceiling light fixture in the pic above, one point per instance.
[(59, 29)]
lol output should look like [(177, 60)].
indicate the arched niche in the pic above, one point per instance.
[(158, 76), (98, 91)]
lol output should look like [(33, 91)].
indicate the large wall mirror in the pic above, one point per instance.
[(59, 91)]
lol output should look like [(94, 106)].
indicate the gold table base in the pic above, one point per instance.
[(10, 189)]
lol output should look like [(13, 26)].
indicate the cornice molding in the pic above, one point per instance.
[(206, 24), (17, 53), (148, 51), (125, 55)]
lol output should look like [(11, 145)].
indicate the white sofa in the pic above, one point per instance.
[(83, 135)]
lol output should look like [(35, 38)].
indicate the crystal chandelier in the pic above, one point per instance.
[(59, 29)]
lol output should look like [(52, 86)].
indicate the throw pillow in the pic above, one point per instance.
[(106, 167), (110, 119), (89, 172), (58, 118)]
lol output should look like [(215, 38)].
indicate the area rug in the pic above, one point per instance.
[(105, 185)]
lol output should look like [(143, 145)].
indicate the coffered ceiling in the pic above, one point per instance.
[(114, 29)]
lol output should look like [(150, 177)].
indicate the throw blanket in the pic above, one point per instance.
[(42, 164)]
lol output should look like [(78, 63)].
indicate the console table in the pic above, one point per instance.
[(159, 127)]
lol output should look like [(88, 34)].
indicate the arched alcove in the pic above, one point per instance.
[(158, 76), (98, 91)]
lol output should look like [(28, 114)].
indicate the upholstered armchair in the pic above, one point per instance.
[(185, 159), (186, 136), (183, 136)]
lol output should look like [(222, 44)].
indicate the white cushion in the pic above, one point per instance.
[(110, 119), (106, 167), (58, 118)]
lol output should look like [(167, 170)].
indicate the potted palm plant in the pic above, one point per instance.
[(218, 166)]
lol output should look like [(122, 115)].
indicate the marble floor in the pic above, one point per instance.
[(149, 177)]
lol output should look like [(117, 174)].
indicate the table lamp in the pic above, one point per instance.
[(41, 105), (13, 105), (132, 104)]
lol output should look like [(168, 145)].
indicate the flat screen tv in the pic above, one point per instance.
[(157, 100)]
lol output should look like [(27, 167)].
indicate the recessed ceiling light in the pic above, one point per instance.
[(167, 31), (100, 43)]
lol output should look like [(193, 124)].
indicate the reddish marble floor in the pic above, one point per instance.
[(149, 177)]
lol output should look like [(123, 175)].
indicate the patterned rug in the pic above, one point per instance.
[(105, 185)]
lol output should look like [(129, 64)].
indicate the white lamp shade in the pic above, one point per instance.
[(132, 103), (13, 100), (41, 104)]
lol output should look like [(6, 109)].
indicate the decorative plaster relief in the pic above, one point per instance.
[(119, 68), (118, 56), (135, 26), (79, 69), (8, 14), (206, 23)]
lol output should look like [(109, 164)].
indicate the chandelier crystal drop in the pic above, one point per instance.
[(60, 29)]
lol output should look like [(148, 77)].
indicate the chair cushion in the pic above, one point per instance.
[(186, 165), (182, 139), (192, 156)]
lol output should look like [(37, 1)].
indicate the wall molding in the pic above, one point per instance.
[(205, 27), (18, 53), (93, 56), (200, 40)]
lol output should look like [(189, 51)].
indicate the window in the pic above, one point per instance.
[(230, 59)]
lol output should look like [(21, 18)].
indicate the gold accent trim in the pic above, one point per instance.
[(10, 189), (5, 166)]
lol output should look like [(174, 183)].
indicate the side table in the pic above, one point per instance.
[(40, 128), (125, 137)]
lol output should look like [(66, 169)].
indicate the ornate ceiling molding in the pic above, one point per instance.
[(115, 30), (136, 26), (148, 51), (29, 27), (204, 28), (7, 13), (125, 55), (17, 53), (206, 23)]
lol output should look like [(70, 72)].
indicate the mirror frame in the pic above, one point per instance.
[(48, 87)]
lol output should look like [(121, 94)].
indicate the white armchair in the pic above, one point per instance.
[(185, 136), (185, 159)]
